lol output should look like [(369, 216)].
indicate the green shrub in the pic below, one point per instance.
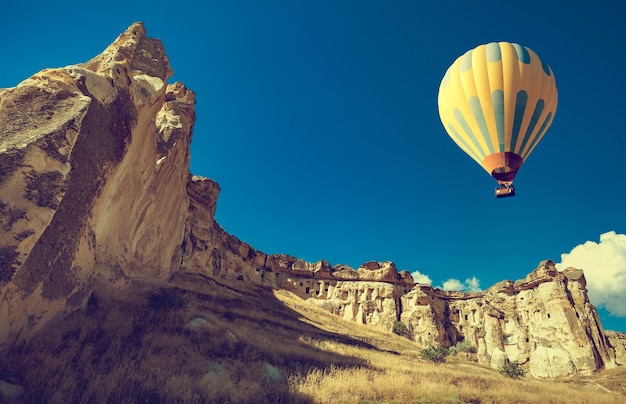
[(513, 370), (400, 329), (435, 354), (463, 346)]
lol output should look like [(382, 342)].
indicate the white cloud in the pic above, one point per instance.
[(604, 264), (452, 284), (470, 285), (419, 277)]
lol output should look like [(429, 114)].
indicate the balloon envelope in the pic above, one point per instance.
[(496, 102)]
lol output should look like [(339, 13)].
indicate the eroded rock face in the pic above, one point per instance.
[(209, 250), (369, 295), (95, 187), (618, 342), (544, 320), (90, 179)]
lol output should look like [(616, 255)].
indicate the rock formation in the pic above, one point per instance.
[(545, 320), (93, 170), (95, 187), (618, 342)]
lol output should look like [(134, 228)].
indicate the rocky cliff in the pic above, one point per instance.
[(93, 173), (544, 320), (94, 187), (618, 342)]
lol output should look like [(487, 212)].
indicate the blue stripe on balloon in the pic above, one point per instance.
[(522, 53), (493, 52), (543, 128), (477, 111), (520, 107), (497, 98), (546, 68), (533, 122), (460, 138), (466, 61), (459, 118)]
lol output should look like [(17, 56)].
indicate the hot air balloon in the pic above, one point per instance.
[(496, 102)]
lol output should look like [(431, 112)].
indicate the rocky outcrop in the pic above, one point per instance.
[(544, 320), (618, 342), (94, 187), (369, 295), (93, 171)]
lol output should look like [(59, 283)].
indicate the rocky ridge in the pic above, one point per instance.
[(95, 187)]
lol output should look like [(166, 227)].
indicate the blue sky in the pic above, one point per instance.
[(319, 121)]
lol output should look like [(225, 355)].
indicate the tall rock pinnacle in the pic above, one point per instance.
[(85, 152)]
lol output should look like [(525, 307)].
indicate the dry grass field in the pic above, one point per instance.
[(195, 340)]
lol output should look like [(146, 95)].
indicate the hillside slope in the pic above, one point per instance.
[(197, 340)]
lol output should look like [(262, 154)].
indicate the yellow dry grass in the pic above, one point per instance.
[(405, 378), (253, 345)]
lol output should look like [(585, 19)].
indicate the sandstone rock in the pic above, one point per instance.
[(618, 341), (498, 358), (196, 322), (545, 272), (216, 370), (424, 315), (273, 374), (545, 320), (10, 392), (93, 170), (381, 272), (501, 287)]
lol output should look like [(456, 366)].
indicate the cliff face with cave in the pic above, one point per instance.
[(95, 187), (545, 320)]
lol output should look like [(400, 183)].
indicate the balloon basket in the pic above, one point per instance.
[(505, 191)]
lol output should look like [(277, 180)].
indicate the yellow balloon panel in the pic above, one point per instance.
[(496, 98)]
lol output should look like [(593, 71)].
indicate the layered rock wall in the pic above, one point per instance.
[(544, 320), (618, 341)]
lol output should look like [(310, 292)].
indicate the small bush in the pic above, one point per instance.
[(463, 346), (513, 370), (435, 354), (166, 299), (400, 329)]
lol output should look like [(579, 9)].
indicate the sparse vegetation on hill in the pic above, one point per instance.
[(466, 348), (513, 370), (400, 329), (435, 354), (199, 341)]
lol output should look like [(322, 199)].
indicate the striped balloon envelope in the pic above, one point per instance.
[(496, 102)]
